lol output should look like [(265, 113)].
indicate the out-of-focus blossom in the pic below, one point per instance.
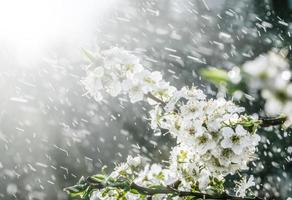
[(270, 74)]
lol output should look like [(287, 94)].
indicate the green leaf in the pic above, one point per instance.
[(99, 177), (158, 187), (121, 183), (217, 185), (82, 189), (86, 194), (250, 123), (76, 190), (82, 180), (216, 76), (134, 191)]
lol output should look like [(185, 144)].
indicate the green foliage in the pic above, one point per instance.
[(215, 75), (82, 189), (98, 177), (220, 77), (85, 187), (250, 123), (217, 185)]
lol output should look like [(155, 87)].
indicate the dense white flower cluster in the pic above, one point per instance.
[(142, 174), (212, 137), (116, 71), (270, 74), (212, 141)]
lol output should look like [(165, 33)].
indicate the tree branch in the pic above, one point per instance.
[(272, 121), (171, 190), (154, 98)]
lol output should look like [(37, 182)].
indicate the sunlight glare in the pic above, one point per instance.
[(29, 28)]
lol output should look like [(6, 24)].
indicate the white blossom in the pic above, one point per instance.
[(134, 89), (131, 196), (244, 186), (234, 139), (134, 161)]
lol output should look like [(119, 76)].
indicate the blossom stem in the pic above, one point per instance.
[(272, 121), (154, 98), (170, 190)]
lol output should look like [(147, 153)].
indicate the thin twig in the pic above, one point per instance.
[(169, 190), (272, 121), (154, 98)]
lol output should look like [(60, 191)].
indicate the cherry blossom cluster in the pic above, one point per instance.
[(214, 137), (141, 173), (116, 71), (270, 74)]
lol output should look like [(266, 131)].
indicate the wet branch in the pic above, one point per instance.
[(154, 98), (272, 121), (169, 190), (173, 191)]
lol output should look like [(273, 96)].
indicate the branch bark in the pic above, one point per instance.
[(170, 190), (154, 98), (272, 121)]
